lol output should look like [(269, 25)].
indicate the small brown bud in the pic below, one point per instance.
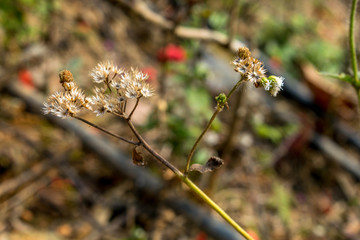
[(65, 76), (244, 53)]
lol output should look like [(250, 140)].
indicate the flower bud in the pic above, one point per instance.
[(221, 99), (244, 53), (65, 76)]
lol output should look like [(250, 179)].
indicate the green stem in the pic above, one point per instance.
[(192, 151), (216, 207), (218, 109), (189, 183), (225, 150), (352, 42)]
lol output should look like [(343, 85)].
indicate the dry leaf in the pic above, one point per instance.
[(137, 158)]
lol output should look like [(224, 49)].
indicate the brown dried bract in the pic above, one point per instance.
[(212, 164), (137, 158)]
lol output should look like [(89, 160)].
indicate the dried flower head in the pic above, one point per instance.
[(135, 85), (256, 73), (62, 104), (124, 85), (68, 103), (252, 70), (103, 71), (118, 87)]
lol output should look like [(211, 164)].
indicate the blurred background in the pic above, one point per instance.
[(291, 167)]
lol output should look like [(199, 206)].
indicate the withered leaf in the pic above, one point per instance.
[(137, 158), (211, 164)]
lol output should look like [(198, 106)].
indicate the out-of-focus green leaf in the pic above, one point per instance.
[(199, 101), (137, 233), (201, 156), (281, 201), (273, 133)]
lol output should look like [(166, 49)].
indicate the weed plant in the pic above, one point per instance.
[(116, 87)]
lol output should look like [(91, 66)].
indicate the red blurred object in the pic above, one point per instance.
[(201, 236), (152, 72), (171, 53), (253, 234), (26, 78)]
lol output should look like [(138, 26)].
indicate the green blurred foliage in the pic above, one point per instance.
[(197, 104), (203, 15), (22, 21), (137, 233), (289, 40), (219, 20), (296, 40), (281, 201), (273, 133)]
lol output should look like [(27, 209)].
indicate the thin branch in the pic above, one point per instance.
[(152, 151), (133, 110), (226, 146), (192, 151), (218, 109), (106, 131)]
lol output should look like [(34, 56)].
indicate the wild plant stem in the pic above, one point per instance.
[(219, 107), (192, 151), (152, 151), (216, 207), (133, 110), (106, 131), (226, 146), (177, 172), (189, 183), (352, 43)]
